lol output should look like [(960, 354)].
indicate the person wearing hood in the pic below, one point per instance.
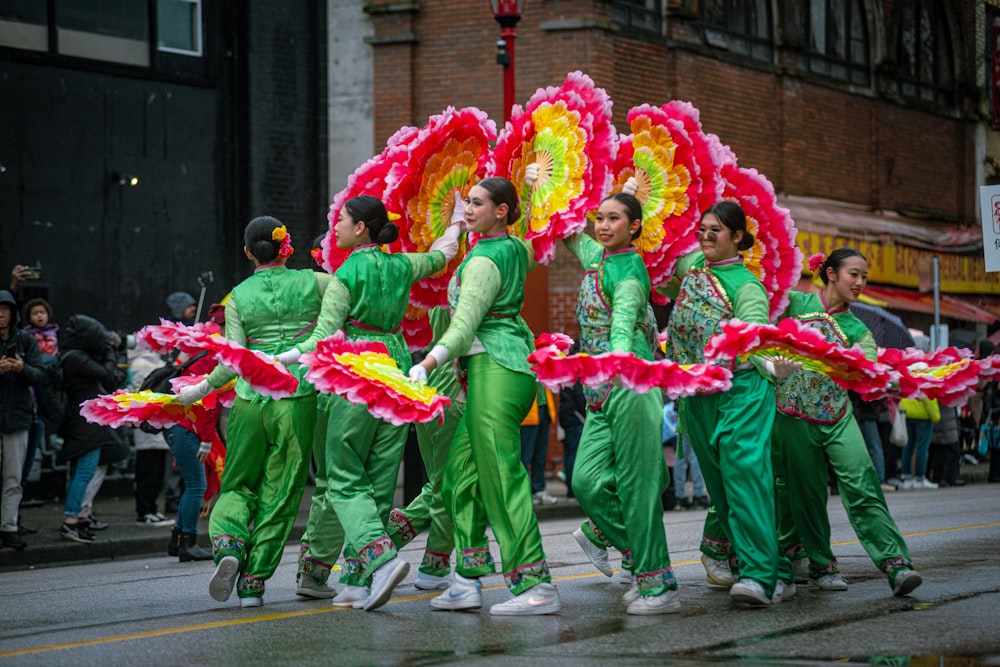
[(182, 307), (20, 369), (90, 368)]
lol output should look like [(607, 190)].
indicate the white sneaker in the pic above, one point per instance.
[(461, 595), (384, 580), (783, 591), (905, 581), (667, 602), (543, 498), (537, 600), (749, 592), (625, 577), (830, 582), (251, 602), (632, 594), (351, 596), (310, 588), (923, 483), (907, 484), (430, 582), (597, 555), (717, 572), (800, 568), (224, 578)]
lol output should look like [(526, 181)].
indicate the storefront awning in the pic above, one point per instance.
[(952, 307)]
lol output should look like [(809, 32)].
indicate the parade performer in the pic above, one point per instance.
[(367, 298), (427, 510), (268, 441), (484, 480), (620, 473), (815, 424), (730, 431)]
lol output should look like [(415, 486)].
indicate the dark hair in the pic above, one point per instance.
[(257, 238), (732, 216), (633, 209), (984, 348), (26, 311), (836, 259), (371, 211), (502, 191)]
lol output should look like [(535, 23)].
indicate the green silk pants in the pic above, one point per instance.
[(805, 448), (267, 464), (619, 477), (730, 432), (427, 510), (485, 481), (324, 537)]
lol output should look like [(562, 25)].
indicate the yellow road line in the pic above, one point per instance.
[(325, 610)]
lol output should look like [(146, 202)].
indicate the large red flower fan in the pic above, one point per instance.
[(791, 340), (948, 375), (677, 175), (363, 373), (448, 155), (416, 326), (368, 179), (556, 370), (568, 132)]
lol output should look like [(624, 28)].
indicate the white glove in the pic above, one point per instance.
[(203, 450), (448, 243), (195, 392), (782, 369), (289, 357), (458, 212), (531, 174), (418, 374), (631, 186)]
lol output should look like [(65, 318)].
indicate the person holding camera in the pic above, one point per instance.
[(20, 369)]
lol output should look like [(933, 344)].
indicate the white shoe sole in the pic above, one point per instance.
[(741, 595), (586, 546), (247, 603), (224, 578), (670, 605), (462, 604), (378, 598), (907, 584), (307, 592), (424, 585)]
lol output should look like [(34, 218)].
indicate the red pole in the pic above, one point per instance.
[(508, 34)]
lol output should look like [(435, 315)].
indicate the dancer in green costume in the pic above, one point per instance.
[(484, 480), (730, 431), (427, 510), (367, 298), (620, 472), (815, 424), (268, 441)]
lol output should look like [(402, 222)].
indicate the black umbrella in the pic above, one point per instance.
[(887, 329)]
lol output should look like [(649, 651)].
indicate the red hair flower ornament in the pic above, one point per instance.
[(281, 235)]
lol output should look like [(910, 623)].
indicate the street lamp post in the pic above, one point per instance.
[(507, 13)]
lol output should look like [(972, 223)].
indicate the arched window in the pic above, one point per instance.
[(742, 26), (924, 53), (838, 40)]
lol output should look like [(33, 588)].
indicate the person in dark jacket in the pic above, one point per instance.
[(20, 369), (946, 450), (89, 366)]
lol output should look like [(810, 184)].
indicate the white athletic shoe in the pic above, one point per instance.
[(430, 582), (717, 572), (310, 588), (625, 577), (632, 594), (830, 582), (597, 555), (667, 602), (251, 602), (783, 591), (351, 596), (905, 581), (537, 600), (463, 594), (749, 592), (384, 580), (224, 578)]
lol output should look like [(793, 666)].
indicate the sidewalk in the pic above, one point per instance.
[(125, 539)]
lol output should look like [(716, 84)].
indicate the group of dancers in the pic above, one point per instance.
[(767, 485)]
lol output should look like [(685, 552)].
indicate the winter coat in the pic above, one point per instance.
[(89, 369), (16, 404), (946, 430)]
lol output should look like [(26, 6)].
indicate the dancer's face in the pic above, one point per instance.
[(349, 234), (850, 280), (717, 242), (481, 214), (612, 226)]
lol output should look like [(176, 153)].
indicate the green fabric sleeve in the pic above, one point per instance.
[(867, 343), (425, 264), (586, 249), (672, 287), (332, 314), (629, 303), (481, 283), (532, 263), (750, 303), (220, 375)]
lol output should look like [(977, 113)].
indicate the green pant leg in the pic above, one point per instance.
[(363, 456), (427, 510), (715, 541), (324, 536), (460, 493), (861, 494), (734, 430), (289, 425), (789, 543)]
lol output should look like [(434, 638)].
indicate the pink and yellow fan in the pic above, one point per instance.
[(568, 132), (949, 375)]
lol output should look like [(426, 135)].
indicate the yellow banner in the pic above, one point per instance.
[(898, 265)]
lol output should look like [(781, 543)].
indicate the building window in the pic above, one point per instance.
[(838, 40), (24, 24), (644, 15), (741, 26), (924, 53), (113, 30), (178, 26)]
